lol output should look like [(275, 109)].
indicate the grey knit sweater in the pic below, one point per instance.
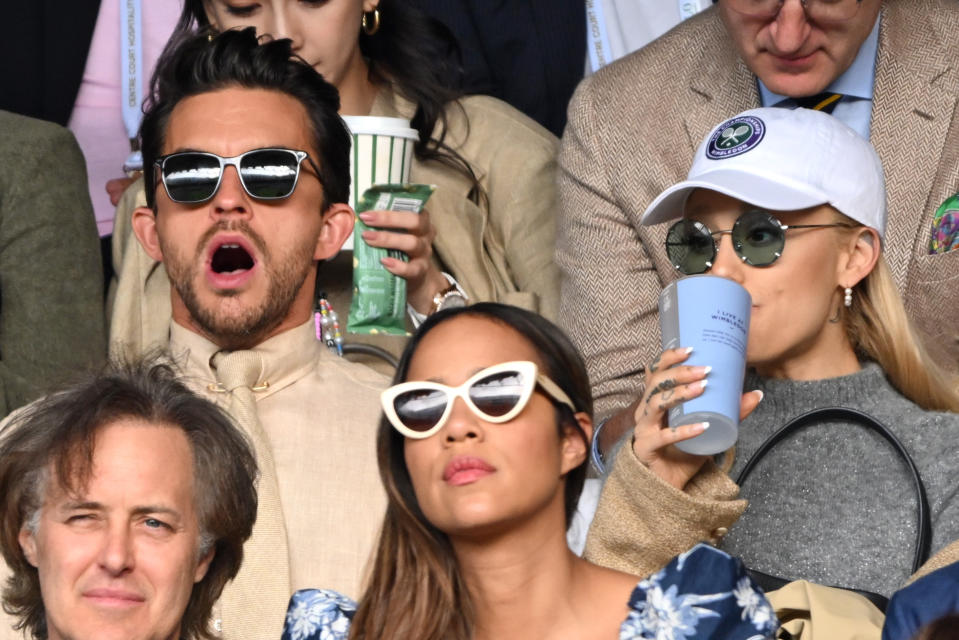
[(833, 504)]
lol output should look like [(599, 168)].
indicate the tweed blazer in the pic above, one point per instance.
[(500, 249), (51, 279), (633, 130)]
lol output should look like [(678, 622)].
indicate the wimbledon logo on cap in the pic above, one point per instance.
[(735, 136)]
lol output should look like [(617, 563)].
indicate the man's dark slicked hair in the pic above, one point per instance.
[(195, 64)]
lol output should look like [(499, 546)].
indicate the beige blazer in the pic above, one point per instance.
[(499, 250), (633, 131)]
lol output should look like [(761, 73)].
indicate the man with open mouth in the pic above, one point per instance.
[(247, 176)]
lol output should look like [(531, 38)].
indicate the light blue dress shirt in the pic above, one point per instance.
[(855, 85)]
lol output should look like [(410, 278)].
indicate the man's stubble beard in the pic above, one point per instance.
[(285, 278)]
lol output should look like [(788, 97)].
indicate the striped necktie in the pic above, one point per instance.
[(825, 101)]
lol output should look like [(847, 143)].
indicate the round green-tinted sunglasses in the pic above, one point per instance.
[(758, 239)]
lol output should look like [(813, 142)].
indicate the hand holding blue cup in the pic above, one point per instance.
[(710, 315)]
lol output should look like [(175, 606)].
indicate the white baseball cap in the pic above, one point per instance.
[(781, 160)]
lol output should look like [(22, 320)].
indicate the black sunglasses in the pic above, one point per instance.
[(758, 238), (192, 177)]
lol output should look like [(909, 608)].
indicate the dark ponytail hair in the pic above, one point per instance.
[(415, 53)]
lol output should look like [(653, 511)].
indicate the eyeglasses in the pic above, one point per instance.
[(758, 238), (816, 10), (192, 177), (495, 394)]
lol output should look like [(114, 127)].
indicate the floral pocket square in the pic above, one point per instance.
[(945, 227)]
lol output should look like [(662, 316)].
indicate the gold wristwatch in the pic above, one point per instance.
[(448, 298)]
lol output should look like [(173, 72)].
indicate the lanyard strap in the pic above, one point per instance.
[(598, 46), (689, 8), (131, 71), (597, 40)]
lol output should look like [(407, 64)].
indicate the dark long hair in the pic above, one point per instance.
[(415, 590), (419, 56), (944, 628)]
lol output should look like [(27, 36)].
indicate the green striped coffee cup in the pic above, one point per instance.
[(381, 154)]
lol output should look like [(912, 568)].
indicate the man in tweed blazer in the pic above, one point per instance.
[(633, 130)]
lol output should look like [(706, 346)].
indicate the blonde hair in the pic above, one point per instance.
[(880, 330)]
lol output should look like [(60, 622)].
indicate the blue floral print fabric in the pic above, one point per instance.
[(703, 594), (318, 614)]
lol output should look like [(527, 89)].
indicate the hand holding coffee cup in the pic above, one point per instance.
[(669, 383), (710, 315), (382, 153)]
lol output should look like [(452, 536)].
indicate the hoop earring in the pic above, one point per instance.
[(367, 29), (847, 300)]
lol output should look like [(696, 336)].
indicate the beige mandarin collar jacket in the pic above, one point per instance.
[(320, 414), (287, 358)]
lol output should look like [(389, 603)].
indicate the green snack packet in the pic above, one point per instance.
[(379, 297)]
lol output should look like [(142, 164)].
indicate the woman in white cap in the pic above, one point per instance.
[(791, 205)]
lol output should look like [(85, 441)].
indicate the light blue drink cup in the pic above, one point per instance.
[(711, 315)]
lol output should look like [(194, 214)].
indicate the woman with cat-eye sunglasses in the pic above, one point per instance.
[(482, 451)]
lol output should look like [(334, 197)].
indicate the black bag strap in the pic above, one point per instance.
[(924, 525)]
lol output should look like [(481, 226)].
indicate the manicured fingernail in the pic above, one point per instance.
[(688, 350), (366, 217), (706, 370), (761, 394), (697, 427), (702, 384)]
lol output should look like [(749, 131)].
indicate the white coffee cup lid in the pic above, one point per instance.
[(375, 125)]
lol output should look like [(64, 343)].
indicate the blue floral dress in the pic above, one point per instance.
[(702, 594)]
